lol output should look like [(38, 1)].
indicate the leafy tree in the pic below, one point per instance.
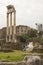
[(41, 40), (32, 33), (28, 37), (23, 38)]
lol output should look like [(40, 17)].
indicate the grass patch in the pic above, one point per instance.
[(16, 55)]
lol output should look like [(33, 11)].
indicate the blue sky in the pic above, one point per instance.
[(28, 12)]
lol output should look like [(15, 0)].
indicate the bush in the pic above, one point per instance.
[(23, 38), (32, 33)]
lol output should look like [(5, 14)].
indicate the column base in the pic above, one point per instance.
[(7, 38), (10, 38), (14, 38)]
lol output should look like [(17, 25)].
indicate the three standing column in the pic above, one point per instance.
[(11, 30)]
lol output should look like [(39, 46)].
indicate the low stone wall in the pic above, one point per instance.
[(38, 50), (13, 63), (11, 46)]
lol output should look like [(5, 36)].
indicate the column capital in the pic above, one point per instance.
[(7, 13)]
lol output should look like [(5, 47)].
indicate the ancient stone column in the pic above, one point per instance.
[(15, 22), (14, 27), (10, 23), (7, 30), (7, 24), (10, 37)]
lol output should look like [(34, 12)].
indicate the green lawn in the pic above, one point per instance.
[(16, 55)]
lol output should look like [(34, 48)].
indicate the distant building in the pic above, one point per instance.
[(22, 29), (3, 33)]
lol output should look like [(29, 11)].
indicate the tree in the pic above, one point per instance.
[(32, 33), (23, 38)]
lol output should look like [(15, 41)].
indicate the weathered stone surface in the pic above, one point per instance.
[(33, 60), (13, 63), (3, 60), (21, 63)]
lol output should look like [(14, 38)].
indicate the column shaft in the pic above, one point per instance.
[(7, 24), (15, 22), (10, 23)]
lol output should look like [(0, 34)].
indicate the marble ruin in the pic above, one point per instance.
[(11, 31)]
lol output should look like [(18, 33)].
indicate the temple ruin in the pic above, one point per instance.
[(11, 31)]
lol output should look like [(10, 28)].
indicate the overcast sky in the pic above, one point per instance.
[(28, 12)]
